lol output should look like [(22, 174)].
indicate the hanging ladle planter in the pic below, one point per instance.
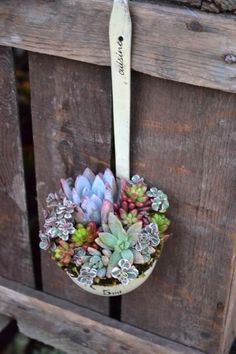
[(107, 233)]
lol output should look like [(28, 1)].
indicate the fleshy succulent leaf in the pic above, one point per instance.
[(121, 184), (101, 273), (101, 244), (115, 225), (108, 239), (127, 254), (98, 187), (108, 193), (97, 201), (81, 183), (114, 259), (75, 196), (89, 175), (133, 232), (66, 188), (109, 178), (79, 216), (107, 208), (138, 257)]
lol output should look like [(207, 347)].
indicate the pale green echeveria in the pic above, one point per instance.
[(119, 241)]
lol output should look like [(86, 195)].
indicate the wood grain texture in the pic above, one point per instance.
[(71, 110), (184, 141), (193, 3), (15, 252), (173, 43), (77, 330), (215, 6), (219, 5)]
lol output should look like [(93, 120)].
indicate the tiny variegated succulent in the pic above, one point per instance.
[(124, 272), (136, 179), (149, 239), (87, 275), (119, 241), (79, 256), (159, 200), (58, 220), (45, 242)]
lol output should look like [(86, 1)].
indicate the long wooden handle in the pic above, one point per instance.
[(120, 48)]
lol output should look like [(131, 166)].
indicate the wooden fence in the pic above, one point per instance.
[(183, 138)]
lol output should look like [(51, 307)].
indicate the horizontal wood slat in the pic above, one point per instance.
[(75, 329), (205, 5), (173, 43)]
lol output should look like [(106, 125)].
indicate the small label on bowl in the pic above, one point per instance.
[(111, 293)]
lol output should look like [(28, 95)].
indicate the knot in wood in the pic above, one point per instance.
[(220, 306), (194, 26)]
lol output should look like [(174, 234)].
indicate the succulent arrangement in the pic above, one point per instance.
[(105, 231)]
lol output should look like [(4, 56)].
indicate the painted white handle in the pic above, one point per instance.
[(120, 48)]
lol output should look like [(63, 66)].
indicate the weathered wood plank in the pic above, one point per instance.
[(219, 5), (216, 6), (15, 252), (173, 43), (194, 3), (77, 330), (71, 111), (184, 141)]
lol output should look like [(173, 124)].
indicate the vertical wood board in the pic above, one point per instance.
[(71, 110), (15, 249), (184, 142)]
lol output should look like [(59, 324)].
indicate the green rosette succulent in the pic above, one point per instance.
[(119, 241), (63, 253), (84, 234), (161, 221)]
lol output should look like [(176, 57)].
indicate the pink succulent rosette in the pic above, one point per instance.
[(105, 231)]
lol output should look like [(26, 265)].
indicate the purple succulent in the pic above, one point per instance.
[(93, 196)]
